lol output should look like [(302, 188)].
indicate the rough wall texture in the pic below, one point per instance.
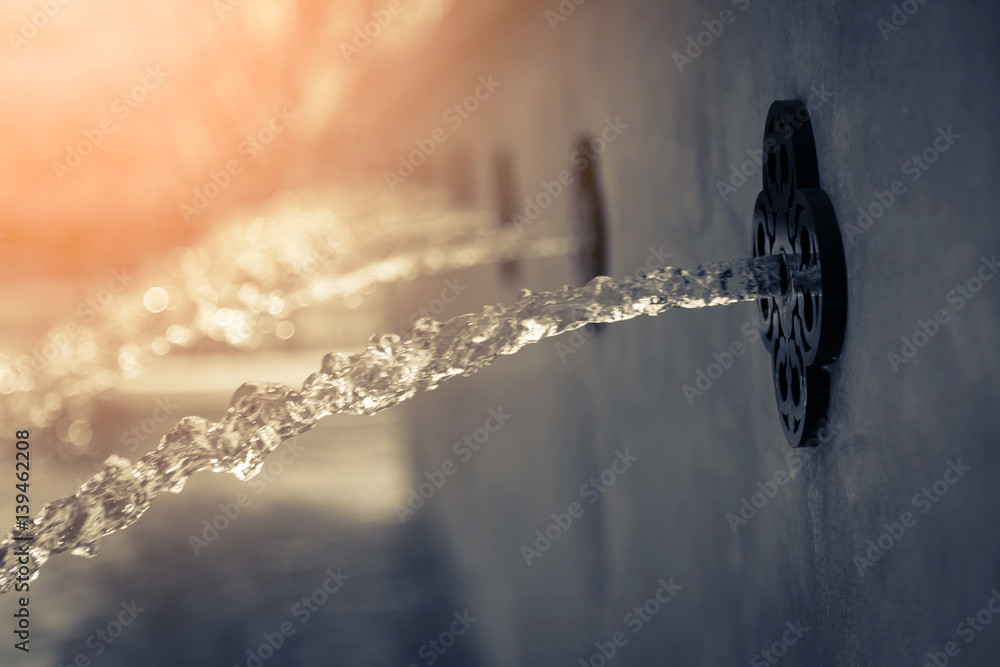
[(897, 429)]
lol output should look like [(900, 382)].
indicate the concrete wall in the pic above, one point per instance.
[(897, 428)]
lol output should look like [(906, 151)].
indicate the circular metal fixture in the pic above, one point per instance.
[(803, 330)]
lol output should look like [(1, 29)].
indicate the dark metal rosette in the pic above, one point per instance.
[(802, 330)]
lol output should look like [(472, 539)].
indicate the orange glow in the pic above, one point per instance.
[(115, 114)]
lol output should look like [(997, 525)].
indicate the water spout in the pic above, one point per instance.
[(245, 283), (392, 369)]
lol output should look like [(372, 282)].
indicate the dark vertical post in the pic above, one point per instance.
[(503, 172)]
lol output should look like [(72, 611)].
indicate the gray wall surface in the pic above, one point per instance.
[(897, 430)]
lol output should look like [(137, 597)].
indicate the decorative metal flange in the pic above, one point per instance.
[(802, 330)]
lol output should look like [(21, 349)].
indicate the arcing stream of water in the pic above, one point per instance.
[(244, 282), (392, 369)]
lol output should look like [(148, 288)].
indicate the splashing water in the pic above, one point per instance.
[(493, 248), (392, 369), (243, 284)]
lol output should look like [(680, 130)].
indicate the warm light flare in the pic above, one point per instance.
[(117, 114)]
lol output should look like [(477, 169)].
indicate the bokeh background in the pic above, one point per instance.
[(679, 91)]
